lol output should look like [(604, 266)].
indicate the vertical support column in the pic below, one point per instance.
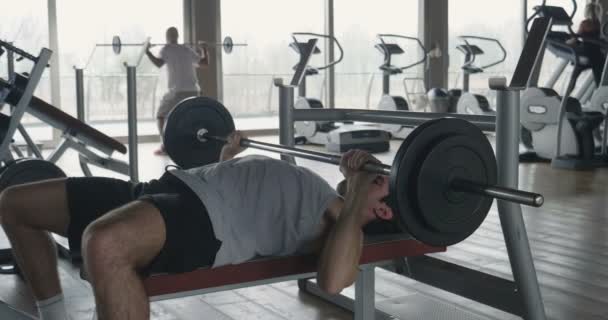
[(466, 81), (330, 54), (524, 17), (187, 33), (286, 109), (55, 68), (511, 219), (10, 60), (433, 30), (302, 88), (386, 83), (206, 26), (80, 113), (365, 294), (132, 122)]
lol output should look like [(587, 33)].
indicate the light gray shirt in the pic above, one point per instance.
[(260, 206)]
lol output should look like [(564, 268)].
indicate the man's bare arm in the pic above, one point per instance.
[(204, 62), (226, 155), (339, 260), (158, 62)]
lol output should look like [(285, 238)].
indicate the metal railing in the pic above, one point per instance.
[(245, 94)]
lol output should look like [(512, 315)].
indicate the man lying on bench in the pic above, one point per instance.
[(224, 213)]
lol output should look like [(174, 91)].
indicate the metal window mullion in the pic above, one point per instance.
[(330, 54), (54, 68)]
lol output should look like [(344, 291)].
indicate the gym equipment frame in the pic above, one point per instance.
[(526, 301)]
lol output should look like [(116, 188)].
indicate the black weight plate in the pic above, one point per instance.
[(228, 44), (184, 122), (28, 170), (380, 227), (393, 201), (405, 169), (450, 213), (19, 82)]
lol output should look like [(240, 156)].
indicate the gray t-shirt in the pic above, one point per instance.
[(260, 206)]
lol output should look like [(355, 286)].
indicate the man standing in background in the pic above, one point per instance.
[(181, 63)]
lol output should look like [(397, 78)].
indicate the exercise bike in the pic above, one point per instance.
[(561, 130), (336, 138), (388, 101), (470, 103)]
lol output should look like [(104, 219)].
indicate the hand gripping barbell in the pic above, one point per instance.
[(442, 180), (228, 45)]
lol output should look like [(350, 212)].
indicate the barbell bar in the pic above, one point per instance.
[(461, 185), (442, 182), (227, 44)]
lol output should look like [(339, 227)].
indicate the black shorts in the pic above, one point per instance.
[(190, 242)]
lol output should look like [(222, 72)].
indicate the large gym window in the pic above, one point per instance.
[(82, 25), (501, 20), (26, 25), (357, 22), (266, 28)]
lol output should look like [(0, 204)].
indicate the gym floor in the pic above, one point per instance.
[(568, 236)]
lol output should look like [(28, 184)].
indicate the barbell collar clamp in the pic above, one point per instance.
[(202, 136), (502, 193)]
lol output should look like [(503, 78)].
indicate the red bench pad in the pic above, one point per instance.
[(269, 268)]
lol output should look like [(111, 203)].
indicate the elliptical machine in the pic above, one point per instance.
[(470, 103), (560, 129), (388, 101), (336, 138)]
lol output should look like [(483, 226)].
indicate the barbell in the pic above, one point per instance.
[(117, 44), (442, 180)]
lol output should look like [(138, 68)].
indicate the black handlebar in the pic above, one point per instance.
[(389, 35), (538, 10), (496, 41), (574, 7), (318, 35)]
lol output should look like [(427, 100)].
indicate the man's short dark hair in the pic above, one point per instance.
[(378, 226)]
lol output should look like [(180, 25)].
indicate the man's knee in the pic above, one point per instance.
[(103, 249), (10, 200)]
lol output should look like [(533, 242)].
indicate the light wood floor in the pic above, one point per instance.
[(568, 236)]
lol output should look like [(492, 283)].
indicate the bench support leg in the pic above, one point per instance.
[(363, 306), (365, 294)]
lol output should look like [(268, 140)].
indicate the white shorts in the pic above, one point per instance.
[(170, 100)]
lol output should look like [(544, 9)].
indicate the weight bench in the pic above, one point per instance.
[(79, 136), (377, 251), (76, 134)]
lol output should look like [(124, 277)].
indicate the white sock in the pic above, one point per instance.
[(52, 308)]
